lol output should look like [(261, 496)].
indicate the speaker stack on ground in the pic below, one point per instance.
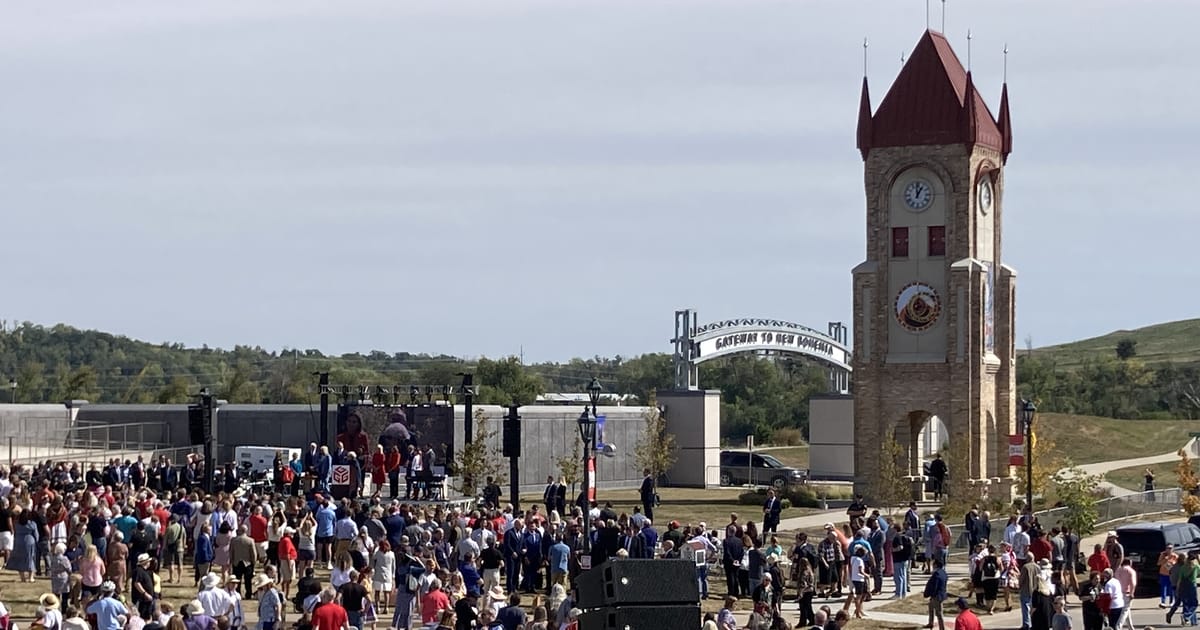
[(629, 594)]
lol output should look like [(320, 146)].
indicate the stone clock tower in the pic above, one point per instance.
[(933, 304)]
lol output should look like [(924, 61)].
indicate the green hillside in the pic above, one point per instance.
[(1176, 342)]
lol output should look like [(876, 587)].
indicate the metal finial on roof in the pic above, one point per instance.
[(943, 16), (968, 50), (901, 58), (1006, 62), (927, 15), (865, 44)]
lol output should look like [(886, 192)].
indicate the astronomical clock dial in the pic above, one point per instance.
[(918, 307), (918, 195), (984, 195)]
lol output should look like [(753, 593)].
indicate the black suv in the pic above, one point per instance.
[(1143, 542), (759, 469)]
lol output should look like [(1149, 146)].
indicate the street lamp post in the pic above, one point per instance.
[(587, 433), (1028, 409), (12, 388)]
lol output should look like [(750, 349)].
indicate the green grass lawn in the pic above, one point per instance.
[(1134, 478), (1178, 342), (794, 456), (1088, 439)]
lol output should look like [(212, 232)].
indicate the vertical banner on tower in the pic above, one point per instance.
[(989, 308), (1016, 450)]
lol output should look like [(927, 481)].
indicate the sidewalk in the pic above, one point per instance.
[(1100, 468)]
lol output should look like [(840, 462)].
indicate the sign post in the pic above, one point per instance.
[(750, 460)]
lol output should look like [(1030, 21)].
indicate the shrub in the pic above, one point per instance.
[(758, 497), (787, 437)]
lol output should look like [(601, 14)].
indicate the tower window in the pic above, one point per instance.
[(899, 242), (937, 240)]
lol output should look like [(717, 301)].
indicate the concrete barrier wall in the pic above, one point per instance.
[(548, 433)]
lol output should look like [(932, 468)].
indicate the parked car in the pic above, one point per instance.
[(759, 469), (1143, 542)]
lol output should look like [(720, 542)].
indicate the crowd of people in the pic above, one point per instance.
[(109, 539)]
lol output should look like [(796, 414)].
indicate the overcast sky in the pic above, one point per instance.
[(477, 177)]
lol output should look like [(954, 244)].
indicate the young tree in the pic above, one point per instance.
[(570, 467), (1076, 490), (1126, 349), (480, 459), (1188, 481), (1046, 462), (890, 488), (656, 450)]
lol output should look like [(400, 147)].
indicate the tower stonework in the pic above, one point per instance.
[(933, 304)]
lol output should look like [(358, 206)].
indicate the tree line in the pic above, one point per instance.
[(763, 397)]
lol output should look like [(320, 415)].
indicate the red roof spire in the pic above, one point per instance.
[(932, 101), (1005, 125), (864, 120), (970, 124)]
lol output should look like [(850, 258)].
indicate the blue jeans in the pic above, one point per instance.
[(900, 577), (1166, 591), (1026, 607), (702, 580), (402, 615)]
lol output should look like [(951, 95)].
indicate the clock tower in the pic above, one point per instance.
[(933, 303)]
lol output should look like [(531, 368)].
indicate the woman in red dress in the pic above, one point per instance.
[(378, 470)]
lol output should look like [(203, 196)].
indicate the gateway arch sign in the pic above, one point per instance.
[(695, 344)]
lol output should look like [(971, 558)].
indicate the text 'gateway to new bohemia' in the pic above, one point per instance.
[(775, 339)]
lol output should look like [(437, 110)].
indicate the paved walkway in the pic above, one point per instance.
[(1100, 468)]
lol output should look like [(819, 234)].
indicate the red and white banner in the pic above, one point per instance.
[(591, 478), (1016, 450), (341, 475)]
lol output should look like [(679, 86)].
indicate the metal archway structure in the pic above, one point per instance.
[(695, 344)]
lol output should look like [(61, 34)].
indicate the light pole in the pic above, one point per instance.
[(12, 388), (587, 433), (1027, 411)]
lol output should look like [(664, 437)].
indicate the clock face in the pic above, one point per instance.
[(918, 195), (918, 307), (985, 196)]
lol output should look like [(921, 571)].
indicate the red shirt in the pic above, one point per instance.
[(1098, 562), (258, 528), (329, 616), (164, 517), (287, 550), (967, 620), (1041, 548), (432, 605)]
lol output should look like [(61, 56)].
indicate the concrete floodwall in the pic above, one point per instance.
[(548, 433)]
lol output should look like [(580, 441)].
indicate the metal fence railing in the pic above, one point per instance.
[(1108, 510)]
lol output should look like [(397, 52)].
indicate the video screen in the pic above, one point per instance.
[(361, 428)]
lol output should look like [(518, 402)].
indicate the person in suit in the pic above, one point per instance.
[(550, 494), (312, 457), (513, 546), (647, 494), (771, 511), (560, 497), (323, 468)]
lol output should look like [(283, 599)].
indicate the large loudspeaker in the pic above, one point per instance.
[(625, 581), (670, 617), (198, 430), (511, 440)]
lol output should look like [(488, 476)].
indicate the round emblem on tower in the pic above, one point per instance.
[(918, 306)]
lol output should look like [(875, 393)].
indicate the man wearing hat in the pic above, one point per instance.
[(966, 620), (269, 603), (216, 601), (143, 587), (194, 617), (107, 608)]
